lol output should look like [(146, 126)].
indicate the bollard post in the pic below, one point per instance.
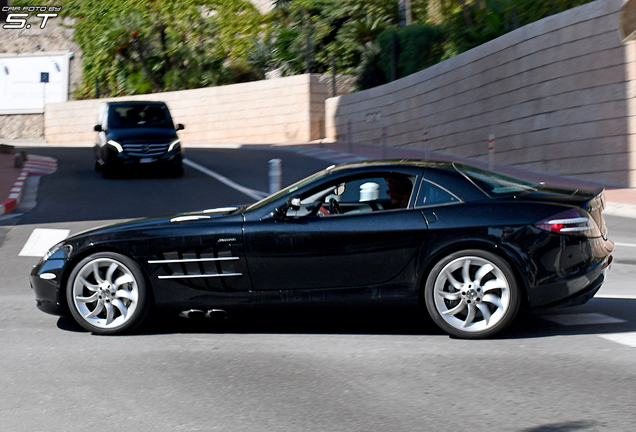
[(491, 152), (383, 141), (321, 130), (275, 175), (349, 136), (427, 149)]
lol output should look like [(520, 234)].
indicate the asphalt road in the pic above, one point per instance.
[(380, 370)]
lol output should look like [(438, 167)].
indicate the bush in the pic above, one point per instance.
[(410, 48)]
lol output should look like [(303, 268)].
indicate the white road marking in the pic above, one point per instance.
[(582, 319), (616, 296), (628, 338), (620, 209), (41, 240), (625, 244), (257, 195)]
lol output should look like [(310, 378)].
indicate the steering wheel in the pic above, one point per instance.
[(334, 207)]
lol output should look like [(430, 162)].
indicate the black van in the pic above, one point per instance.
[(137, 134)]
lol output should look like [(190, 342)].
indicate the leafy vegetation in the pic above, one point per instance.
[(364, 38), (470, 24), (159, 45)]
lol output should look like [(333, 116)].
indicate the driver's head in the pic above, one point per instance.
[(399, 190)]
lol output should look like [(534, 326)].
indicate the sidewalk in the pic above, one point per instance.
[(13, 179), (621, 201), (8, 178)]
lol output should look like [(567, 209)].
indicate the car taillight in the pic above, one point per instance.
[(572, 222)]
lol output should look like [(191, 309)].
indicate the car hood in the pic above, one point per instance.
[(140, 228), (123, 136)]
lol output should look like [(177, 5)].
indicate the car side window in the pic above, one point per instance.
[(432, 194), (358, 195)]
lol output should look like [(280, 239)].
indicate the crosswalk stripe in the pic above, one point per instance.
[(615, 296), (41, 239), (582, 319), (627, 338), (625, 244)]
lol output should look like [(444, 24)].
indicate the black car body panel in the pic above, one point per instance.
[(265, 253)]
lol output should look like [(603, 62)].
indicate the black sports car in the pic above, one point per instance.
[(469, 245)]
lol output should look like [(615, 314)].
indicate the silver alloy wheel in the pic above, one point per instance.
[(105, 293), (472, 294)]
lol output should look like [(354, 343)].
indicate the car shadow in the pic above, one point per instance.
[(597, 317), (402, 321), (140, 173), (564, 427), (616, 316)]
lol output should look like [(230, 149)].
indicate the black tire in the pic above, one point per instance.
[(98, 166), (177, 171), (472, 294), (107, 172), (107, 294)]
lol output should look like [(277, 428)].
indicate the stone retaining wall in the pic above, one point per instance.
[(271, 111), (557, 94)]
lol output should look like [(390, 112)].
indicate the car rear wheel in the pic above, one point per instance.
[(107, 294), (472, 294)]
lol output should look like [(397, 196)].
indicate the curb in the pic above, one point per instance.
[(35, 166)]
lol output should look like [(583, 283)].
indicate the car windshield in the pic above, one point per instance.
[(128, 116), (288, 190), (492, 183)]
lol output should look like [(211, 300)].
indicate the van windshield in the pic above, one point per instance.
[(127, 116)]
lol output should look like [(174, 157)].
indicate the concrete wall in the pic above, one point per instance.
[(272, 111), (557, 94)]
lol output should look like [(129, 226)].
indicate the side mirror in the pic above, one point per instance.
[(98, 128), (180, 127), (293, 203)]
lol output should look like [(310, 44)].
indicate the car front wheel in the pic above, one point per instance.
[(107, 294), (472, 294)]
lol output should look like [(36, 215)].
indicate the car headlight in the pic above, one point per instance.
[(117, 146), (174, 144), (66, 250)]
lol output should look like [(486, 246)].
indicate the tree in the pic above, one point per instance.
[(151, 45)]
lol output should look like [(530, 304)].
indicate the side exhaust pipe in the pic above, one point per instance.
[(199, 314), (193, 314)]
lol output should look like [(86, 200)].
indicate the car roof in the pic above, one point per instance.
[(136, 103), (394, 163)]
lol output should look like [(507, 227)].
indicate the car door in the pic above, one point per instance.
[(367, 245)]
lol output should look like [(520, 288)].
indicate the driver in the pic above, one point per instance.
[(399, 191)]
